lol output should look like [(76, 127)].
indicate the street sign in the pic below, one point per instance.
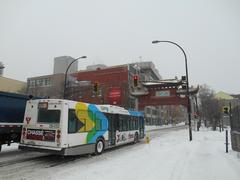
[(162, 93)]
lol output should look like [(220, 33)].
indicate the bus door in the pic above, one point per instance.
[(112, 120), (141, 127)]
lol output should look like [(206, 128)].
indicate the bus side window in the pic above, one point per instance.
[(82, 128), (98, 124), (85, 121), (127, 122), (89, 122), (137, 122), (120, 122), (141, 122), (131, 123), (116, 120), (72, 121), (124, 122), (103, 120)]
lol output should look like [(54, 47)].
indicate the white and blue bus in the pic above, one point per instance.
[(72, 128)]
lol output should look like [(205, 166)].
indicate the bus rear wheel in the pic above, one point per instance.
[(136, 138), (99, 147)]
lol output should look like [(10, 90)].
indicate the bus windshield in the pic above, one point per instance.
[(48, 116)]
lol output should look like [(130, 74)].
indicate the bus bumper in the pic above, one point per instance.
[(70, 151), (50, 150)]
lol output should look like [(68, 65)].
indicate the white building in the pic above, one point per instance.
[(61, 64)]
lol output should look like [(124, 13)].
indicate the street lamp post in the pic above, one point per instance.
[(187, 83), (65, 80)]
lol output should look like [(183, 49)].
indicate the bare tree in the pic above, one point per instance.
[(210, 108)]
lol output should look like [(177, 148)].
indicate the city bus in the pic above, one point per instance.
[(72, 128)]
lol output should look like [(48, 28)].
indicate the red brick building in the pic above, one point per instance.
[(115, 84)]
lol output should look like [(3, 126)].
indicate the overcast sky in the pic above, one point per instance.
[(111, 32)]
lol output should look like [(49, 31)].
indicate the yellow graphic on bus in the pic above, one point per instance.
[(84, 116)]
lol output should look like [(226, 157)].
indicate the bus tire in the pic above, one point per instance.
[(136, 138), (99, 147)]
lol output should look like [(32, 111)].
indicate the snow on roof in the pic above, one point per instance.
[(113, 109), (224, 96), (163, 82)]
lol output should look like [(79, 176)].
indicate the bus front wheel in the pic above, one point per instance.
[(99, 147)]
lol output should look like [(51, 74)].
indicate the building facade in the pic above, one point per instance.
[(46, 86), (62, 62), (12, 85), (113, 85)]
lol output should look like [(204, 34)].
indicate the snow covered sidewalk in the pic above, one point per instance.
[(168, 157)]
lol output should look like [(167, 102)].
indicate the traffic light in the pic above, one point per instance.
[(135, 81), (225, 110), (184, 78), (95, 87)]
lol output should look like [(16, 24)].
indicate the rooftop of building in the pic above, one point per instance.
[(236, 96), (223, 96), (141, 65), (46, 76), (10, 79)]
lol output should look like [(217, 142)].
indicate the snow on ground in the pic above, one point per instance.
[(153, 127), (169, 157), (12, 147)]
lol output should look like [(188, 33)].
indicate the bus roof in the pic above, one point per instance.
[(102, 107)]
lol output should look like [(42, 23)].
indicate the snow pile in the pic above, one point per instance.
[(12, 147)]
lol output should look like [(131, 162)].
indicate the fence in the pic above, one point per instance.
[(235, 128)]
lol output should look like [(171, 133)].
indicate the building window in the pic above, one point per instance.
[(39, 82), (47, 82), (32, 83), (148, 110), (154, 112)]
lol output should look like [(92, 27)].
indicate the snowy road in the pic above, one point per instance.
[(16, 164), (169, 156)]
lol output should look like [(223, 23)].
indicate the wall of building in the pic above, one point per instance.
[(163, 115), (46, 86), (12, 85), (113, 86), (61, 64)]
